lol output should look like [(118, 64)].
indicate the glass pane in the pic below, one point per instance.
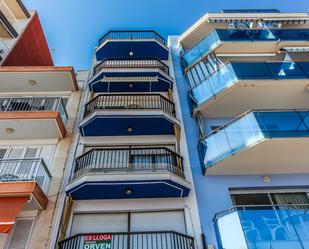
[(286, 70), (251, 70), (217, 148), (243, 132), (283, 124), (269, 229), (300, 220), (230, 231)]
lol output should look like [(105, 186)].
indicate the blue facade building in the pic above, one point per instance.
[(243, 81)]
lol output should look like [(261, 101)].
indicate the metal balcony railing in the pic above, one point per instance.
[(132, 240), (125, 63), (34, 104), (132, 35), (4, 9), (130, 102), (18, 170), (127, 160)]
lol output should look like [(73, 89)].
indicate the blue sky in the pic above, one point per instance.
[(73, 27)]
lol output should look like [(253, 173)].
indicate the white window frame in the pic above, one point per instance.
[(7, 243)]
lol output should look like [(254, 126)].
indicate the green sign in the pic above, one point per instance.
[(98, 241)]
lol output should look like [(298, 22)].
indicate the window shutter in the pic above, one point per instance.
[(20, 234), (16, 153), (47, 153), (31, 152), (99, 223), (158, 221)]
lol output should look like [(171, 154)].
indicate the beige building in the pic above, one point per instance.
[(38, 108)]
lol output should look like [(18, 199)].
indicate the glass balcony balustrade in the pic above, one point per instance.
[(231, 73), (250, 129), (264, 227), (219, 36)]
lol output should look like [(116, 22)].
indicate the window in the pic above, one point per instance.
[(251, 199), (20, 235), (119, 222), (20, 152), (297, 198), (99, 223)]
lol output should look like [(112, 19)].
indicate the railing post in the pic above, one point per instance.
[(8, 104), (130, 159)]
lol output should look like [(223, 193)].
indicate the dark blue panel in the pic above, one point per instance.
[(140, 189), (160, 86), (291, 34), (271, 70), (283, 124), (245, 35), (118, 126), (140, 49)]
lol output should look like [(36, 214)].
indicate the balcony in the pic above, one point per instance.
[(129, 114), (250, 41), (29, 79), (137, 75), (32, 117), (132, 45), (276, 227), (240, 86), (145, 172), (258, 142), (25, 177), (132, 240), (8, 22)]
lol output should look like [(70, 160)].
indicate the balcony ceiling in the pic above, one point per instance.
[(117, 123), (271, 156), (139, 48), (37, 79), (111, 186), (258, 94)]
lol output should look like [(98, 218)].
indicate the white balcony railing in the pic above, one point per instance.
[(8, 13), (22, 170)]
